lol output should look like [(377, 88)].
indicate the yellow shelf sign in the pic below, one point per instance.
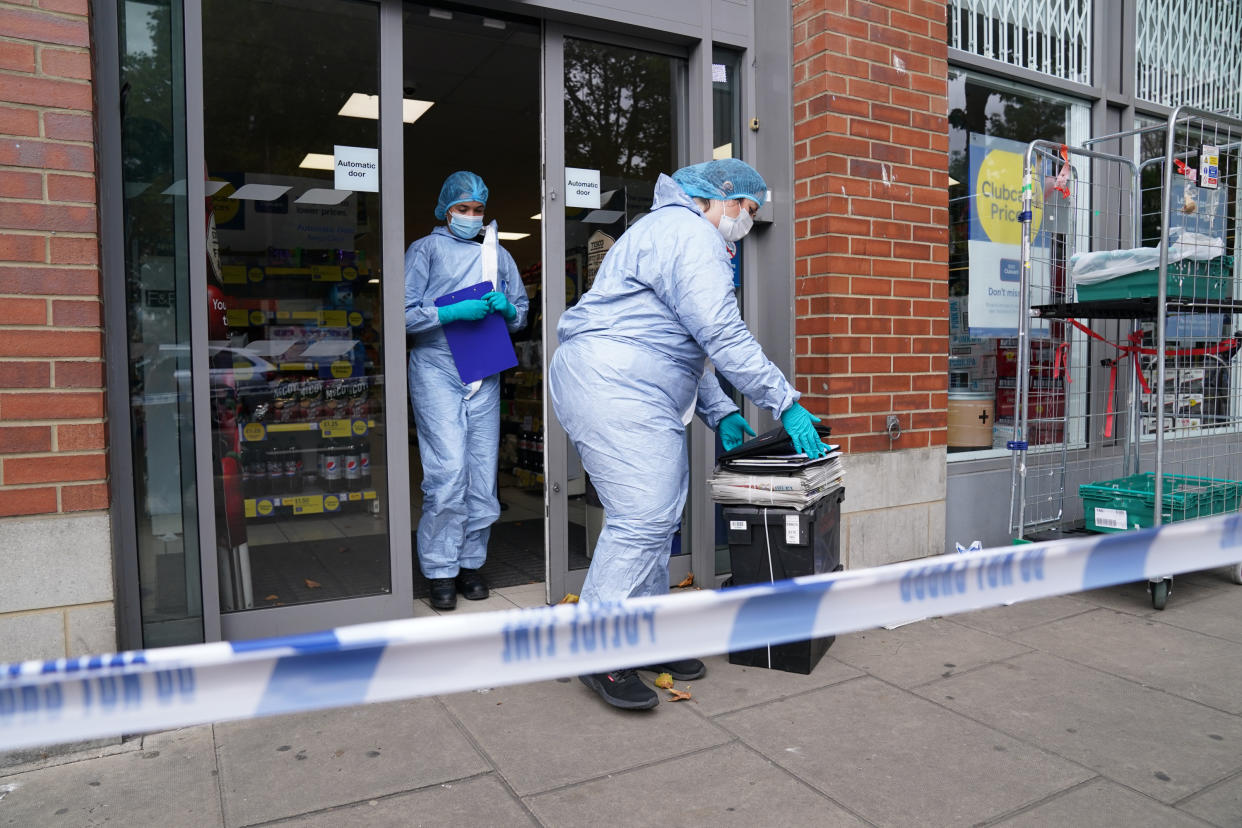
[(233, 274), (359, 427), (349, 273), (333, 318), (325, 273), (243, 370), (331, 503), (254, 432), (237, 317), (255, 274), (305, 504), (341, 369), (335, 428), (355, 495), (355, 319), (250, 509), (265, 507), (275, 427), (368, 495), (257, 317)]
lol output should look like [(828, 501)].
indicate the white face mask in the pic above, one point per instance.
[(733, 228)]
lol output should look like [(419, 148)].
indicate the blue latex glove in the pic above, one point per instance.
[(500, 303), (467, 309), (732, 431), (800, 426)]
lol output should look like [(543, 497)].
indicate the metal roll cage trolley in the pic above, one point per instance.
[(1163, 391)]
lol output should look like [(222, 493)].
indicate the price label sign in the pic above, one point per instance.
[(254, 432), (305, 504), (335, 428)]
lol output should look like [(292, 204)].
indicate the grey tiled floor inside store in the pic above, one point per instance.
[(1088, 709)]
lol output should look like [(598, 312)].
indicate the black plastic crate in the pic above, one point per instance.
[(802, 542)]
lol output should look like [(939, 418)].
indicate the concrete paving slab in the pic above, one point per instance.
[(482, 800), (1153, 742), (494, 602), (171, 782), (921, 652), (895, 759), (1022, 615), (1219, 614), (1220, 804), (287, 765), (1192, 665), (1101, 804), (728, 687), (1134, 597), (526, 595), (730, 785), (579, 737)]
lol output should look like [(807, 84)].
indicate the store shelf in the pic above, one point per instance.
[(344, 427), (305, 504), (1146, 307)]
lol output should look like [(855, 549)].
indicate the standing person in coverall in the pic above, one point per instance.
[(629, 375), (458, 423)]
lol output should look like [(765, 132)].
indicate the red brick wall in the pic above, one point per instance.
[(871, 209), (51, 370)]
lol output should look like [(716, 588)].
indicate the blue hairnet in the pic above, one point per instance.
[(723, 178), (458, 187)]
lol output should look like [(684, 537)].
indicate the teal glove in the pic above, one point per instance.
[(466, 310), (732, 430), (500, 303), (800, 426)]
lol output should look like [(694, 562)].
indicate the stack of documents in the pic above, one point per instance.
[(786, 480)]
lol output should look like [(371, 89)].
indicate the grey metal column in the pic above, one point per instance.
[(200, 362), (556, 471), (396, 379), (699, 520), (107, 73)]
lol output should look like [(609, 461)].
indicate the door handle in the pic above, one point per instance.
[(556, 487)]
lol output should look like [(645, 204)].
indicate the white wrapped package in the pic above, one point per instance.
[(1102, 265)]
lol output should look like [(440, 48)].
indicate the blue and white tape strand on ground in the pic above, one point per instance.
[(75, 699)]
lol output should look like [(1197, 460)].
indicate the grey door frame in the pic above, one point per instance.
[(399, 603), (694, 144)]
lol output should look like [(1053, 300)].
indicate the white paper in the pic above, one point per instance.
[(581, 187), (791, 529), (357, 168)]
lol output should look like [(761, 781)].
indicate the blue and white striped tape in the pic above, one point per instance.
[(45, 702)]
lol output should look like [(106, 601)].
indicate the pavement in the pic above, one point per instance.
[(1091, 709)]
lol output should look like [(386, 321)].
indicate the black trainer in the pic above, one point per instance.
[(623, 689), (443, 593), (685, 670), (471, 584)]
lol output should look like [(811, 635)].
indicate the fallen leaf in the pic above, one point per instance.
[(678, 695), (313, 584), (570, 598), (664, 680), (272, 598), (687, 581)]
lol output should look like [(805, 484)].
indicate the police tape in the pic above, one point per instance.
[(46, 702)]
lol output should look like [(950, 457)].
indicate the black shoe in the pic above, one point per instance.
[(471, 584), (685, 670), (622, 688), (443, 593)]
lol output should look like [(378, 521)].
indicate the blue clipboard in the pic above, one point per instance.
[(480, 347)]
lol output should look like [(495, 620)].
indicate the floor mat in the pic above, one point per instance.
[(325, 570)]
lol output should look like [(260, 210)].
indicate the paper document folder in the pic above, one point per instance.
[(480, 347)]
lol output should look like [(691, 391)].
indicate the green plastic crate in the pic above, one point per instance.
[(1187, 279), (1129, 502)]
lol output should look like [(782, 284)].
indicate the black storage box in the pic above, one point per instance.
[(802, 542)]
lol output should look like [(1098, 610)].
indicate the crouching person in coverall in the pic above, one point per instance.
[(458, 423), (629, 375)]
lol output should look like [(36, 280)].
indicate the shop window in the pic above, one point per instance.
[(990, 125)]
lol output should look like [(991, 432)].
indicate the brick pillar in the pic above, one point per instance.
[(55, 554), (871, 194)]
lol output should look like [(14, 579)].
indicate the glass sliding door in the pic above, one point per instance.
[(156, 275), (623, 113), (296, 318)]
